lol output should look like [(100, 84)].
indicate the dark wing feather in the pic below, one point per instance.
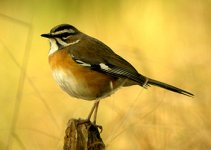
[(93, 52)]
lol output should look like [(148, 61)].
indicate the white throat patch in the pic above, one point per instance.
[(54, 46)]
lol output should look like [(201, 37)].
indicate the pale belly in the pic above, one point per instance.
[(85, 86)]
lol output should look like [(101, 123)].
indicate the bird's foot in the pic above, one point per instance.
[(87, 121)]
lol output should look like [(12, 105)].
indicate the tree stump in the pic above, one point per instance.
[(82, 135)]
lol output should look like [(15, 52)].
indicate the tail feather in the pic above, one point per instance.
[(168, 87)]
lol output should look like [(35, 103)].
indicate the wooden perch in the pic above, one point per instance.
[(82, 136)]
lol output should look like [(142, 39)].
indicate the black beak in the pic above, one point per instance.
[(48, 35)]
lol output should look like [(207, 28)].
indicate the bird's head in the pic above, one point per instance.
[(62, 36)]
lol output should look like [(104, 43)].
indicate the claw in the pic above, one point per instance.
[(100, 127), (86, 121), (80, 121)]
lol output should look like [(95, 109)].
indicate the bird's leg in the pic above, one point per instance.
[(96, 109), (96, 105), (92, 110)]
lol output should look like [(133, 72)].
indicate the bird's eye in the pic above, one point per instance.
[(65, 35)]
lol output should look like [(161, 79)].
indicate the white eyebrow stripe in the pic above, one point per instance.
[(63, 31)]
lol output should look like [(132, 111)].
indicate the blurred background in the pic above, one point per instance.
[(163, 39)]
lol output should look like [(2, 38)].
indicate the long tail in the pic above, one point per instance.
[(168, 87)]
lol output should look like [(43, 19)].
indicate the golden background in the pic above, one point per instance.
[(166, 40)]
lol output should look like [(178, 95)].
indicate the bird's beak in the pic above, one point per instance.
[(47, 35)]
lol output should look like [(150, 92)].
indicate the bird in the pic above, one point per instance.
[(87, 69)]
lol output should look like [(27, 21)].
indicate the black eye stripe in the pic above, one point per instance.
[(65, 34), (63, 31)]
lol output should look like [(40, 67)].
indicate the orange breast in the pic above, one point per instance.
[(80, 81)]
